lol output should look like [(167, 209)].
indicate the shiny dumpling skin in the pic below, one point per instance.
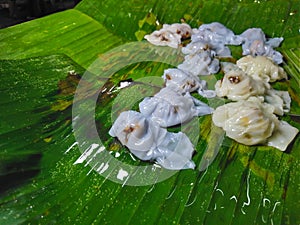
[(137, 133), (169, 35), (202, 63), (148, 141), (199, 46), (182, 29), (182, 81), (256, 44), (249, 86), (216, 32), (282, 136), (169, 108), (175, 152), (261, 68), (248, 122), (237, 85), (195, 47)]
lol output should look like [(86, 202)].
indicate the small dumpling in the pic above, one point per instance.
[(148, 141), (182, 29), (214, 36), (261, 68), (169, 35), (256, 44), (136, 132), (216, 33), (237, 85), (202, 63), (199, 46), (169, 108), (182, 81), (195, 47), (185, 82), (252, 122), (249, 122), (164, 38)]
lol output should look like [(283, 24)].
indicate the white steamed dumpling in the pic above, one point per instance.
[(182, 81), (237, 85), (216, 33), (261, 68), (185, 82), (202, 63), (248, 122), (169, 35), (169, 107), (199, 46), (148, 141), (256, 44), (252, 122)]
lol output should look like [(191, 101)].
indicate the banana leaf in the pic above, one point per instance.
[(47, 177)]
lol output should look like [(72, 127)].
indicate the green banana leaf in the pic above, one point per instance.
[(44, 177)]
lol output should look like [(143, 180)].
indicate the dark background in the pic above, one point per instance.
[(17, 11)]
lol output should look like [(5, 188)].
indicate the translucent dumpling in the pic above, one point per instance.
[(185, 82), (148, 141), (216, 33), (169, 35), (252, 122), (164, 38), (202, 63), (261, 67), (248, 122), (256, 44), (199, 46), (169, 107), (182, 29), (237, 85), (137, 133), (181, 80)]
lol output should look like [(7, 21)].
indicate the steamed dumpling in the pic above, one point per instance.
[(182, 81), (261, 68), (169, 35), (148, 141), (202, 63), (185, 82), (237, 85), (251, 77), (169, 108), (248, 122), (256, 44), (182, 29), (216, 34), (252, 122), (199, 46)]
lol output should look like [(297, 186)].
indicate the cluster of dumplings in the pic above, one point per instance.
[(250, 119)]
